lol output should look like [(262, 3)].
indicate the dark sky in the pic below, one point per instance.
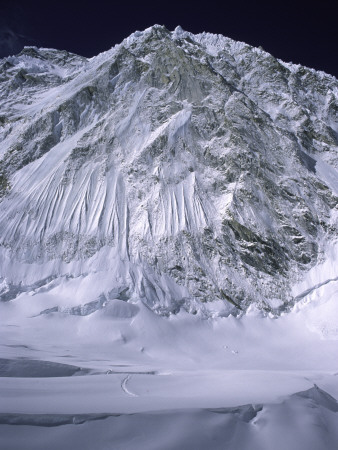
[(297, 31)]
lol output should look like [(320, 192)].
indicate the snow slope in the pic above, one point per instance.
[(125, 377)]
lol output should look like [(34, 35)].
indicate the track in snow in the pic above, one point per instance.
[(124, 386)]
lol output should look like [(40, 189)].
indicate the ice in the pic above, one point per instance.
[(30, 368)]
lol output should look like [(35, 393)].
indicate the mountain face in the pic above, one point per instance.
[(190, 171)]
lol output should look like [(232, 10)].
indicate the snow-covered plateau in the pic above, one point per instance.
[(168, 248)]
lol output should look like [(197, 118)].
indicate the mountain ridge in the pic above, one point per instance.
[(187, 168)]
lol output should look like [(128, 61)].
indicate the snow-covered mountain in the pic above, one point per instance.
[(188, 171), (173, 174)]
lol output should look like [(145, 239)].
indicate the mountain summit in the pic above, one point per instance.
[(190, 171)]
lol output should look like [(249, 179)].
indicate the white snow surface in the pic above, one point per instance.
[(124, 377)]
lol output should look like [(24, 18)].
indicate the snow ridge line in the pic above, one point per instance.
[(313, 288)]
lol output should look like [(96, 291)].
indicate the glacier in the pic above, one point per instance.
[(168, 247)]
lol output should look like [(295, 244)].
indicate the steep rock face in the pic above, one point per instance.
[(187, 168)]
